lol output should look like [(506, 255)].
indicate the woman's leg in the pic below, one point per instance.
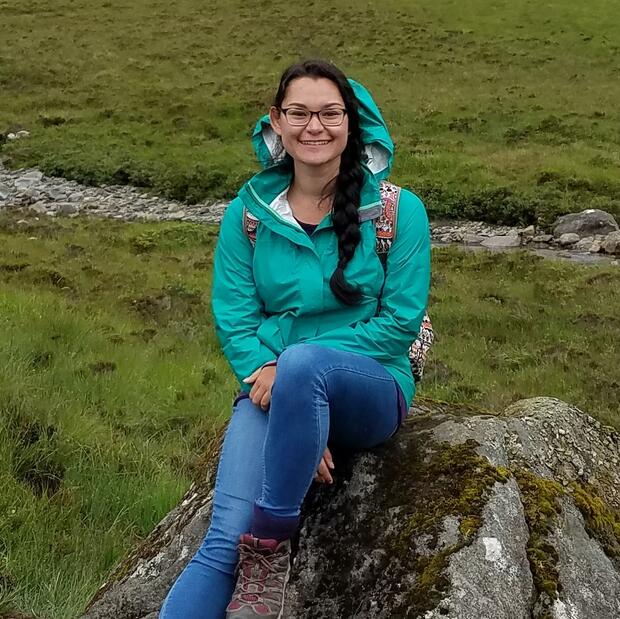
[(204, 588), (318, 393)]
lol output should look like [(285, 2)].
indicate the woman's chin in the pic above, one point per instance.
[(314, 159)]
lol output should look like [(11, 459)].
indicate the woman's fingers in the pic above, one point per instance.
[(324, 471), (261, 396), (264, 402), (256, 394), (327, 456)]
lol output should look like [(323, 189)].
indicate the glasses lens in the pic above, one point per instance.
[(331, 117), (298, 117)]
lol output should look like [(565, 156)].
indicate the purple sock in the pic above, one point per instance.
[(267, 526)]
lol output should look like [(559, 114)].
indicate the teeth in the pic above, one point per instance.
[(323, 142)]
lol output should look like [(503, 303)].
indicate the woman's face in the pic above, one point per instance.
[(312, 144)]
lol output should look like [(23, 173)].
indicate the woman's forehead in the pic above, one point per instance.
[(311, 92)]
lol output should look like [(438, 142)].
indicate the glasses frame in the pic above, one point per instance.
[(284, 110)]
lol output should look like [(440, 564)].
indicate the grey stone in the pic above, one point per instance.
[(361, 522), (33, 175), (588, 222), (498, 552), (590, 581), (54, 194), (611, 244), (584, 244), (543, 238), (22, 134), (5, 192), (39, 208), (500, 242), (472, 239), (530, 231), (66, 208), (570, 238), (21, 184)]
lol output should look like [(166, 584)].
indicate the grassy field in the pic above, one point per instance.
[(504, 111), (111, 379), (112, 383)]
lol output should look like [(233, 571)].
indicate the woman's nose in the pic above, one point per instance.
[(314, 124)]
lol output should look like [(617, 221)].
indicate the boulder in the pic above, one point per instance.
[(587, 223), (611, 244), (464, 514), (568, 239)]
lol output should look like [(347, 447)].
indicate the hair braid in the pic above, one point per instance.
[(345, 219)]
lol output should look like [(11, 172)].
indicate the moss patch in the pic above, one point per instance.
[(448, 480), (541, 504), (602, 522)]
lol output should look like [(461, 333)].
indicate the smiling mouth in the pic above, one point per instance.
[(315, 142)]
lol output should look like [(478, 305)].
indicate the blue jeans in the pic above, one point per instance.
[(320, 395)]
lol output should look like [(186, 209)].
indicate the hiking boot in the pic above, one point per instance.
[(263, 570)]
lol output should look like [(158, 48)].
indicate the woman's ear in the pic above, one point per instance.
[(274, 119)]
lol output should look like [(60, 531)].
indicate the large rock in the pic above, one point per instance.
[(587, 223), (463, 515), (611, 244)]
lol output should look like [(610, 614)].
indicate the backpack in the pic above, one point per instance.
[(385, 227)]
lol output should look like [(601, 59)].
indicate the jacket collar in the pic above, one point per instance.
[(264, 195)]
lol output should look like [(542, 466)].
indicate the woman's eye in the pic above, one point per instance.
[(331, 113), (298, 113)]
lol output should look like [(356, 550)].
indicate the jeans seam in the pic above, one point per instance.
[(388, 379)]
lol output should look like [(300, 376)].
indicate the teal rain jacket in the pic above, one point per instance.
[(276, 294)]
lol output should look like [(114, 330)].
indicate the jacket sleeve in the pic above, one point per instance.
[(236, 306), (390, 333)]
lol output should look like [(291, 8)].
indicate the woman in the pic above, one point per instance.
[(298, 316)]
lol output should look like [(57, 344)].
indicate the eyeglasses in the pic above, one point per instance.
[(329, 117)]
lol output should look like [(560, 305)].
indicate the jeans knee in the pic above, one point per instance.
[(299, 361)]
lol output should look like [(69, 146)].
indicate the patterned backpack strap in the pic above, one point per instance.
[(250, 224), (385, 224)]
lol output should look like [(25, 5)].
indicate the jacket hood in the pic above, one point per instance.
[(378, 145)]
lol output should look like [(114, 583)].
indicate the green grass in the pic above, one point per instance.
[(111, 386), (504, 111), (112, 383), (516, 325)]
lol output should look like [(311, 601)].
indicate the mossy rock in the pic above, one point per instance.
[(462, 514)]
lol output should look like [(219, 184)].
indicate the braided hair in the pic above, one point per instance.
[(348, 184)]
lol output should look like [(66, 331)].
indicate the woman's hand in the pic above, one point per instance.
[(323, 475), (263, 380)]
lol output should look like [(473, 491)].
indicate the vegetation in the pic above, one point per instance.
[(505, 112), (112, 384)]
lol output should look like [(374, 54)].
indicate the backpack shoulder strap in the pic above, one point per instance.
[(385, 224), (250, 224)]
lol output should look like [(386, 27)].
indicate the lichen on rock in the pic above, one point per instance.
[(463, 514)]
